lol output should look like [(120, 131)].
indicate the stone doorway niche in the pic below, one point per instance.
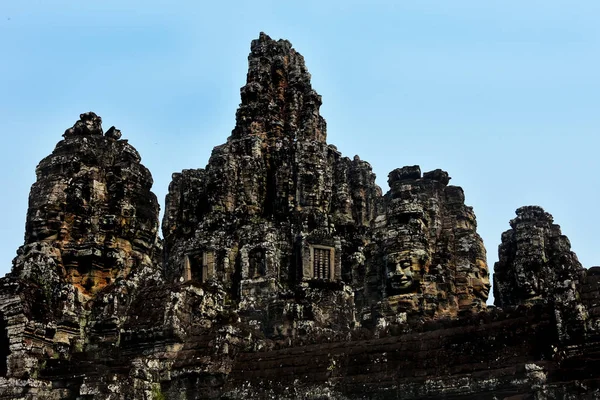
[(257, 263), (200, 266)]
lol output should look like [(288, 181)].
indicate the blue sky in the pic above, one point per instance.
[(504, 95)]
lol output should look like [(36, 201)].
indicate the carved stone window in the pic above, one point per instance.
[(322, 259), (199, 267), (321, 263)]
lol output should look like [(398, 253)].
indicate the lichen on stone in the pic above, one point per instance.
[(285, 272)]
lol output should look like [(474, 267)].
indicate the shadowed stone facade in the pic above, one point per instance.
[(285, 272)]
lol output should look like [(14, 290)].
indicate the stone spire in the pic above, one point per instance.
[(277, 161), (271, 197), (535, 260), (284, 264), (430, 258), (91, 216), (278, 99)]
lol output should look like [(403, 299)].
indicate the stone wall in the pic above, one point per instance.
[(285, 272)]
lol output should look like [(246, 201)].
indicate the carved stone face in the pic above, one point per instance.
[(402, 273), (530, 258), (527, 280), (481, 281)]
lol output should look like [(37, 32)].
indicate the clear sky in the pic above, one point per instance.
[(504, 95)]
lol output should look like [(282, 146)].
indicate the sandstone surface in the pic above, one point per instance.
[(285, 272)]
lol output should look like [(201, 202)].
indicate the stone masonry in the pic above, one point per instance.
[(284, 272)]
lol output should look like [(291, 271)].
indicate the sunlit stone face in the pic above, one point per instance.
[(481, 281), (402, 273)]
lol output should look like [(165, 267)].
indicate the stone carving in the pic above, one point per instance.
[(321, 263), (403, 272), (91, 232), (536, 265), (113, 133), (92, 204), (431, 258), (535, 260), (285, 272), (88, 124)]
